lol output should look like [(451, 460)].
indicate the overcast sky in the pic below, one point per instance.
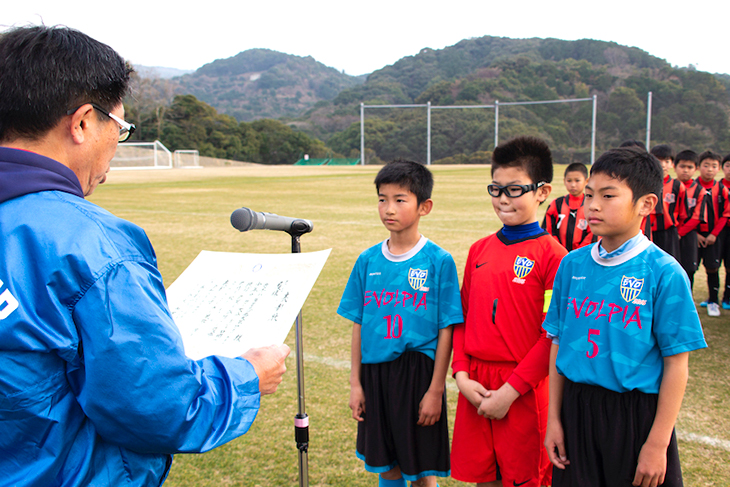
[(360, 37)]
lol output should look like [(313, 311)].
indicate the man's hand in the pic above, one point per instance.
[(710, 240), (268, 362)]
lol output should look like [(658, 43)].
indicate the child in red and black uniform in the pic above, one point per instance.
[(501, 352), (685, 165), (717, 210), (725, 237), (565, 219), (666, 215)]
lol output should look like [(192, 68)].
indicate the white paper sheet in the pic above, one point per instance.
[(225, 303)]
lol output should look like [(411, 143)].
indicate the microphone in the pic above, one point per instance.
[(244, 219)]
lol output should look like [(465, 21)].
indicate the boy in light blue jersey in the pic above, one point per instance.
[(623, 323), (403, 296)]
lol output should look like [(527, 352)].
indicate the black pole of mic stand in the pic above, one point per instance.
[(301, 420)]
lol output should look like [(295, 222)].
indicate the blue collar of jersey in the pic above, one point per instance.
[(518, 232)]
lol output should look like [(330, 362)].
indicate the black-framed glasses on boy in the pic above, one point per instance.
[(126, 129), (512, 190)]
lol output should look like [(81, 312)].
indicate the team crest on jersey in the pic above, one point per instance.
[(691, 202), (417, 278), (582, 224), (523, 266), (631, 288), (670, 198)]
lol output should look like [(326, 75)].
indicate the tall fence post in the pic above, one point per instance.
[(362, 134), (593, 131), (428, 133), (648, 120), (496, 123)]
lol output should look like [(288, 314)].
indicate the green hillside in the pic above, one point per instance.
[(690, 108), (260, 83)]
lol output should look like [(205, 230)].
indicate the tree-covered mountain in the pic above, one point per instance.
[(260, 83), (689, 108)]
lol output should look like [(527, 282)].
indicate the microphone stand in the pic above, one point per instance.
[(301, 420), (243, 220)]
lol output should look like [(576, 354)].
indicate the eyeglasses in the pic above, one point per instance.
[(125, 129), (512, 190)]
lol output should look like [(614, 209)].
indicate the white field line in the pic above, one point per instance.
[(451, 386), (705, 440)]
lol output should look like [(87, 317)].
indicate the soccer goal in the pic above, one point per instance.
[(142, 155), (187, 158)]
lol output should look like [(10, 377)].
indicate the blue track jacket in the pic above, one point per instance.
[(95, 387)]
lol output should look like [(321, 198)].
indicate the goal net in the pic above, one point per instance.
[(142, 155), (186, 158)]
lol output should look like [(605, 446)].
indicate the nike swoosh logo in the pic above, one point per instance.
[(522, 483), (478, 266)]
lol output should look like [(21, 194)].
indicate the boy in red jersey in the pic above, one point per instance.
[(725, 236), (565, 219), (500, 351), (666, 215), (685, 166), (717, 210)]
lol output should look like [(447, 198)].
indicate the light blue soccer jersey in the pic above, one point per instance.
[(616, 319), (402, 301)]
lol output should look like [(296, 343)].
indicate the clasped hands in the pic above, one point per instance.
[(492, 404)]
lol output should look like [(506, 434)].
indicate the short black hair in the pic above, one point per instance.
[(411, 175), (708, 154), (577, 167), (641, 171), (633, 143), (530, 154), (662, 151), (687, 155), (47, 71), (725, 159)]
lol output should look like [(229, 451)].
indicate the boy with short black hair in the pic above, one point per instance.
[(623, 323), (500, 352), (565, 217), (403, 297), (685, 166), (666, 214), (716, 208)]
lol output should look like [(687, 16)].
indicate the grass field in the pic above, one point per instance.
[(186, 211)]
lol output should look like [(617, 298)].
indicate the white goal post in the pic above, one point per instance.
[(186, 158), (496, 106), (142, 155)]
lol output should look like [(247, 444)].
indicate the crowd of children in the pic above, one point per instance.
[(570, 342)]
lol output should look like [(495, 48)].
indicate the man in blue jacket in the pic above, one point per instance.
[(95, 387)]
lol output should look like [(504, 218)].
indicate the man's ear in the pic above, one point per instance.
[(80, 120), (425, 207), (647, 203)]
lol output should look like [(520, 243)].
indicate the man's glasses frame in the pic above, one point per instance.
[(512, 190), (126, 129)]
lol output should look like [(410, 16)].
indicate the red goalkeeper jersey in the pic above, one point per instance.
[(506, 289)]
